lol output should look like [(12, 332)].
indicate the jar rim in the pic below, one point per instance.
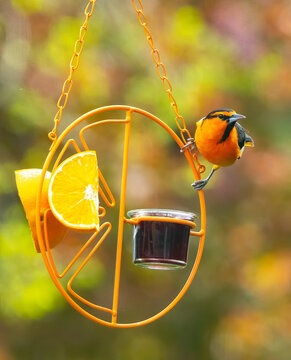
[(169, 213)]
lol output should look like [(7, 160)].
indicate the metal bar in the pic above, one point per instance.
[(121, 218), (69, 285)]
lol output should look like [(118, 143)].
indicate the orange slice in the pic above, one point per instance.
[(27, 182), (73, 192)]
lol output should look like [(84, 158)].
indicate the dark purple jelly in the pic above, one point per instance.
[(158, 244)]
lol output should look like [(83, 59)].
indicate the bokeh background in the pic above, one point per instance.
[(222, 53)]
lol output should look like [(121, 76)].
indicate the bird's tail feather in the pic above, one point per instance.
[(249, 141)]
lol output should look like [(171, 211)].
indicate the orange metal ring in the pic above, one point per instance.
[(129, 110), (137, 220)]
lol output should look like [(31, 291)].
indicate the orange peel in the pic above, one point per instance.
[(27, 182)]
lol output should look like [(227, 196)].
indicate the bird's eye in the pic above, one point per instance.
[(221, 116)]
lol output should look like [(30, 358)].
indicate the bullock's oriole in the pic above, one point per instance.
[(220, 139)]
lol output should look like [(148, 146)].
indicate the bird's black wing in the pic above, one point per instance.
[(241, 135)]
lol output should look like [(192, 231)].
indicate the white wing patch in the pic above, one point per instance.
[(241, 152)]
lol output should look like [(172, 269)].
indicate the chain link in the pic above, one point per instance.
[(161, 70), (74, 64)]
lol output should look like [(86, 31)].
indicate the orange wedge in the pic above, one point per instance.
[(73, 192), (27, 182)]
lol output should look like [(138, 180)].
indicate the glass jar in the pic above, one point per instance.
[(159, 244)]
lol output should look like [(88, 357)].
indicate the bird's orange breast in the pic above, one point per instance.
[(208, 141)]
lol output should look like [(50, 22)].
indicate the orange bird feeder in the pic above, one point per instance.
[(160, 236)]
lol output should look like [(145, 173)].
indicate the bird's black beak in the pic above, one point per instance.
[(235, 117)]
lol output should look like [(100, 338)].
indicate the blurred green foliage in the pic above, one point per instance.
[(223, 53)]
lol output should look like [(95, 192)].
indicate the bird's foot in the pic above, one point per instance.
[(189, 146), (198, 185)]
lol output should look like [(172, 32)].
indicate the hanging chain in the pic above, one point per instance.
[(74, 64), (160, 67), (161, 70)]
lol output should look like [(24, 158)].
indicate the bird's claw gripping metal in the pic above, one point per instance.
[(189, 146), (198, 185)]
